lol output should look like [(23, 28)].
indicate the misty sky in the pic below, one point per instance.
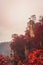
[(14, 16)]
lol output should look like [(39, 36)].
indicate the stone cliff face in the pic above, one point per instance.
[(5, 48)]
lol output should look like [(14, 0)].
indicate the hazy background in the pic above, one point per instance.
[(14, 16)]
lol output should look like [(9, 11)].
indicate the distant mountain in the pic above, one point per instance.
[(5, 48)]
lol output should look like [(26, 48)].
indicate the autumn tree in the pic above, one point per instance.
[(39, 34), (32, 40), (18, 45)]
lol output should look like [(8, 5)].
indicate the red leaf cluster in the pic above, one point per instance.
[(3, 60)]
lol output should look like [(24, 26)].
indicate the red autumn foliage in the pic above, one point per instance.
[(3, 60), (35, 58)]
